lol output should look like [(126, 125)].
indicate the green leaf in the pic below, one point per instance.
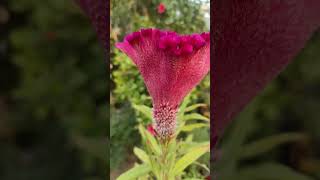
[(272, 171), (153, 143), (193, 107), (191, 127), (185, 146), (195, 116), (189, 138), (267, 144), (204, 166), (141, 154), (135, 172), (147, 111), (142, 131), (190, 157), (183, 106)]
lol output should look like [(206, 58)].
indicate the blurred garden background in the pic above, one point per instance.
[(53, 93), (126, 85), (277, 137), (54, 110)]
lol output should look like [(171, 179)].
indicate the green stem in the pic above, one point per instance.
[(163, 160)]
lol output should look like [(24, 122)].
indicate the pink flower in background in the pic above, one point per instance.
[(161, 8), (171, 65)]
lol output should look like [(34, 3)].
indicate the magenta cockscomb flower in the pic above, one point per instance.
[(171, 65), (254, 40)]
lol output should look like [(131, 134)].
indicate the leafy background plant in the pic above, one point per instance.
[(54, 109)]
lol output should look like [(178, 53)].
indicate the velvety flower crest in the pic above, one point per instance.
[(171, 65)]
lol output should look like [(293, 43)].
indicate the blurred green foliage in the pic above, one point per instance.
[(127, 87), (57, 107), (277, 135)]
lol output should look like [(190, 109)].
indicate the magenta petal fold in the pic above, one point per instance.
[(171, 65), (254, 40)]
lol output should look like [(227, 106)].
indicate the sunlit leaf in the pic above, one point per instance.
[(194, 116), (193, 107), (141, 154), (190, 157), (191, 127), (135, 172), (147, 111), (182, 107)]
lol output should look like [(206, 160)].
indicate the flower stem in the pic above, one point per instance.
[(163, 159)]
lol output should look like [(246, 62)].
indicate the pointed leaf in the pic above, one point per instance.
[(190, 157), (135, 172), (147, 111), (141, 154), (193, 107), (195, 116), (183, 107), (191, 127)]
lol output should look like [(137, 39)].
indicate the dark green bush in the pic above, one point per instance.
[(57, 109)]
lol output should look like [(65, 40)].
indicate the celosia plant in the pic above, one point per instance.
[(171, 65)]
